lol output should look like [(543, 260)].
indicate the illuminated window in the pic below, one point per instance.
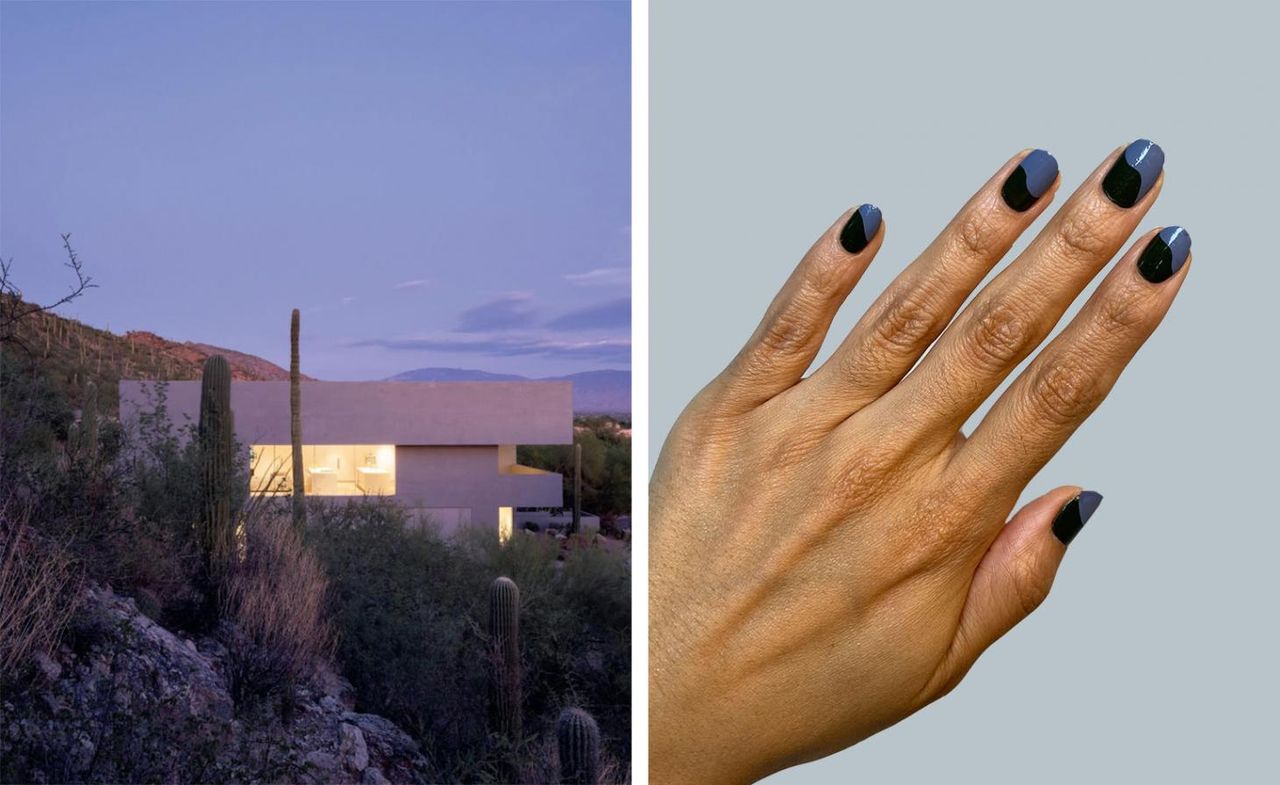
[(329, 469), (506, 523)]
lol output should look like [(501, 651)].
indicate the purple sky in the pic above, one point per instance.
[(433, 184)]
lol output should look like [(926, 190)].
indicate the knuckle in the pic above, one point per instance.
[(824, 277), (1125, 309), (1030, 584), (940, 533), (976, 235), (1065, 392), (788, 331), (906, 324), (1002, 333), (865, 472), (1083, 233), (786, 451)]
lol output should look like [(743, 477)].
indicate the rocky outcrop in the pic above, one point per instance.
[(125, 700)]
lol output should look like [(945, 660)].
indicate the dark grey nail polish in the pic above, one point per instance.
[(1165, 254), (1133, 173), (1030, 180), (861, 227), (1074, 515)]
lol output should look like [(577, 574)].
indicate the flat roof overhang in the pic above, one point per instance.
[(405, 413)]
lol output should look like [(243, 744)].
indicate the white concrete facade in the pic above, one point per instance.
[(454, 442)]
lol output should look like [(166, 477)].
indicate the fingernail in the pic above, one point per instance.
[(1165, 254), (1077, 512), (862, 226), (1133, 173), (1030, 180)]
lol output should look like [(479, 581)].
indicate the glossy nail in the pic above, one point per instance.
[(1074, 515), (1030, 180), (1165, 254), (1133, 173), (862, 226)]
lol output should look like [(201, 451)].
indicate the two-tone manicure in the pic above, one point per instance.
[(860, 228), (1030, 180), (1074, 515), (1134, 173), (1165, 254)]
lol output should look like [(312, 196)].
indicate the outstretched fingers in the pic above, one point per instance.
[(913, 311), (1073, 374), (1016, 311)]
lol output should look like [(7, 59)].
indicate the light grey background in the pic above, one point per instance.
[(1155, 659)]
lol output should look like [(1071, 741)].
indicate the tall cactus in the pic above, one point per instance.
[(217, 452), (579, 747), (82, 437), (576, 525), (295, 425), (504, 684)]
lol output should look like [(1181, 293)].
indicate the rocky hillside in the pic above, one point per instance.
[(125, 700), (71, 353)]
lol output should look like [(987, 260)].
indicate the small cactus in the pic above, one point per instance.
[(504, 633), (578, 739), (295, 425), (217, 452)]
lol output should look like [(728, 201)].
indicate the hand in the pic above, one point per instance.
[(829, 552)]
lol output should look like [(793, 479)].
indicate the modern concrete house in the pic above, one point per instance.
[(445, 450)]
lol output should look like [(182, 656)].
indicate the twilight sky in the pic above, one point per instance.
[(433, 184)]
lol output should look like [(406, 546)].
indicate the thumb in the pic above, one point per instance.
[(1017, 571)]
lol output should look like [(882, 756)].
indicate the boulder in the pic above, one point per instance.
[(125, 700)]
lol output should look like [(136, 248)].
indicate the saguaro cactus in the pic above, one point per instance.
[(82, 437), (295, 424), (579, 747), (504, 684), (217, 451), (576, 525)]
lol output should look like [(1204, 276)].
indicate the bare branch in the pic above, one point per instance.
[(13, 309)]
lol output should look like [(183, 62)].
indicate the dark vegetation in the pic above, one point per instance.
[(606, 464), (399, 610), (411, 608)]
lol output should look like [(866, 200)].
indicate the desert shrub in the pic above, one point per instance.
[(409, 607), (122, 507), (39, 589), (606, 465), (276, 599), (407, 616)]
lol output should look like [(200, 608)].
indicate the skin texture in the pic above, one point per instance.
[(829, 553)]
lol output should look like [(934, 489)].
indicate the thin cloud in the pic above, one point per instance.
[(601, 276), (508, 312), (610, 315), (610, 350), (342, 303), (416, 283)]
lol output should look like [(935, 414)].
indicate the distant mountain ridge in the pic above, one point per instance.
[(594, 392)]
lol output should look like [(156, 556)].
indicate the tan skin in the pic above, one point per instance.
[(829, 553)]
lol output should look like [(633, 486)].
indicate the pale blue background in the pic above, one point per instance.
[(1155, 658)]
